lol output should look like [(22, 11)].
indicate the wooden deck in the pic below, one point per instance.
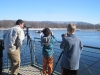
[(26, 71)]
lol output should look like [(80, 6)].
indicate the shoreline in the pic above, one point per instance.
[(37, 28), (54, 29)]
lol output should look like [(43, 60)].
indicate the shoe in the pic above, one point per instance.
[(9, 71), (19, 74)]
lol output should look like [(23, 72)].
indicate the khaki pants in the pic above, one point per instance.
[(14, 58), (47, 63)]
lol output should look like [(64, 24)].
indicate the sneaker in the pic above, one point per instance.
[(9, 72), (19, 74)]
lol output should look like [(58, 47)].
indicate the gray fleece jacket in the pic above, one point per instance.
[(72, 47)]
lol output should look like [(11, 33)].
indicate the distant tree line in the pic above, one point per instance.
[(50, 24)]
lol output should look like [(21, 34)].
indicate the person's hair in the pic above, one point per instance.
[(19, 21), (46, 32), (71, 27)]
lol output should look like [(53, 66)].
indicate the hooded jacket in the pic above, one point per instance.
[(47, 43)]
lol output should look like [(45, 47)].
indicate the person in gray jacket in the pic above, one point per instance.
[(72, 47), (12, 42)]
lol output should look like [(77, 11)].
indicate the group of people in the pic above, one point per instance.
[(71, 46)]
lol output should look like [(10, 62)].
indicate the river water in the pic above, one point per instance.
[(89, 38)]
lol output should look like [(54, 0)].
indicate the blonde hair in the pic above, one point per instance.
[(71, 28)]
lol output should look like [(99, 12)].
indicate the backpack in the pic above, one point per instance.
[(45, 40)]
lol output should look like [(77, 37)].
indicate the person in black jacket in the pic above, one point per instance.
[(1, 54)]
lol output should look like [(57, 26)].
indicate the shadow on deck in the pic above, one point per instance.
[(26, 70)]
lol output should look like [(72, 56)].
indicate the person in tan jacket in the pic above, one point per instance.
[(12, 42)]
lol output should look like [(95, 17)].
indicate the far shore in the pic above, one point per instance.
[(54, 29), (37, 28)]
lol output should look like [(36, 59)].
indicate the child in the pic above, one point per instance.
[(47, 41), (72, 46)]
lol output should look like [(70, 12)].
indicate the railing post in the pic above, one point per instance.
[(7, 63), (34, 45), (31, 51)]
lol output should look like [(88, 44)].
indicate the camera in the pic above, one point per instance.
[(64, 35), (27, 26), (38, 31)]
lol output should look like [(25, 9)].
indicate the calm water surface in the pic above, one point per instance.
[(90, 38)]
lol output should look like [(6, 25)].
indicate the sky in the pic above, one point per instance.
[(51, 10)]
